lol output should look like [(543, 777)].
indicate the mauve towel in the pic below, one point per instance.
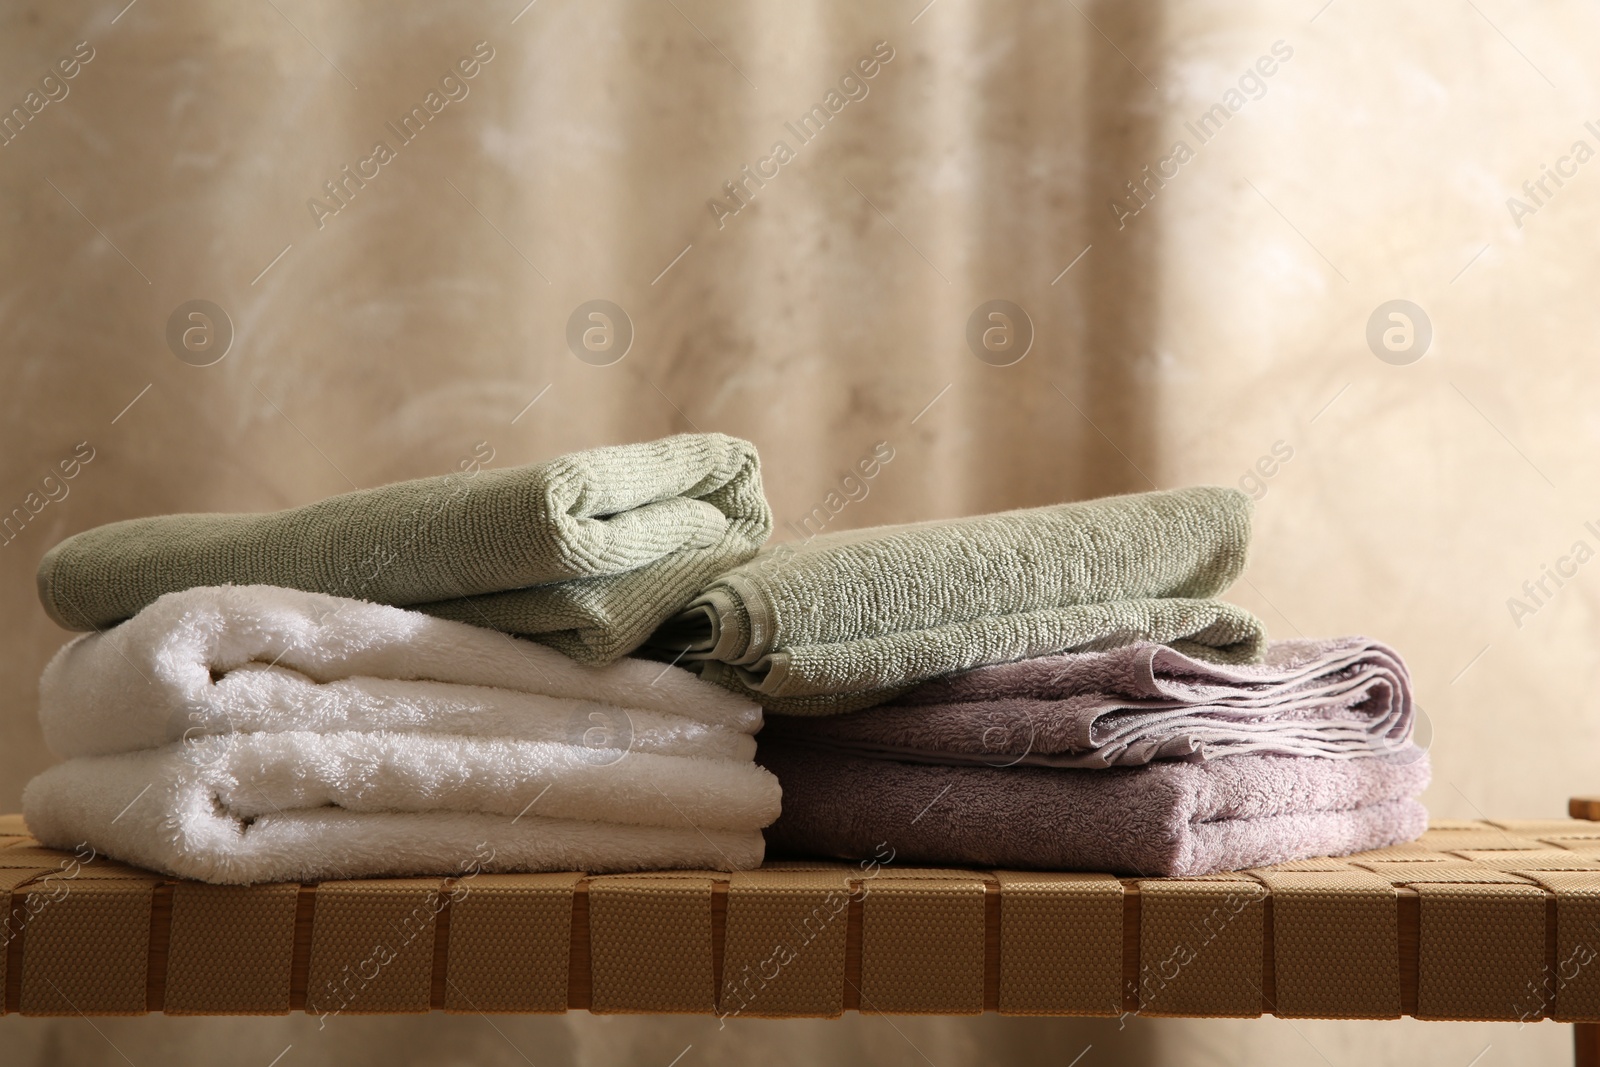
[(1341, 698), (587, 552), (1169, 819), (844, 621)]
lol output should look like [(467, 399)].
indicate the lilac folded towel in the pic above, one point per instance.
[(1172, 819), (1342, 698)]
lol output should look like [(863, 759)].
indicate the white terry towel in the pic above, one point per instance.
[(250, 733), (258, 658), (300, 806)]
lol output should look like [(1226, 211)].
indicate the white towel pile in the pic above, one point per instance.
[(243, 734)]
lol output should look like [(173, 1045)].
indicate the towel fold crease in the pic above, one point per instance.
[(1340, 699)]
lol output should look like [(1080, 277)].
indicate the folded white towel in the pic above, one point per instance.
[(306, 807), (246, 659), (242, 734)]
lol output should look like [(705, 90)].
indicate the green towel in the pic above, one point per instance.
[(845, 621), (587, 553)]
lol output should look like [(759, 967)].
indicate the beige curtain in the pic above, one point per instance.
[(1193, 315)]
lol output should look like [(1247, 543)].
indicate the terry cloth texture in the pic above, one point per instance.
[(1341, 699), (1172, 819), (243, 808), (588, 552), (251, 733), (246, 659), (848, 620)]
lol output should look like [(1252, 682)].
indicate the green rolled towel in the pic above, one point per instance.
[(844, 621), (588, 552)]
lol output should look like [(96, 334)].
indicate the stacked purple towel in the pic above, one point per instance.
[(1137, 759)]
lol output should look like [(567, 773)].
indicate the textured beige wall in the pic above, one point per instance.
[(825, 316)]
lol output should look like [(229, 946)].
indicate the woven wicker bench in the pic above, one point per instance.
[(1491, 920)]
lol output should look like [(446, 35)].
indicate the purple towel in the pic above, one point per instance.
[(1341, 698), (1171, 818)]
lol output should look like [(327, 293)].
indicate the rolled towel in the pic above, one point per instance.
[(1341, 699), (246, 808), (1168, 819), (587, 553), (848, 620), (246, 659)]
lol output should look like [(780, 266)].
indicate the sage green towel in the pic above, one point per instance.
[(845, 621), (587, 553)]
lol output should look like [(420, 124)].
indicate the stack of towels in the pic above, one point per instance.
[(499, 668), (1057, 688), (290, 727), (1138, 760)]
